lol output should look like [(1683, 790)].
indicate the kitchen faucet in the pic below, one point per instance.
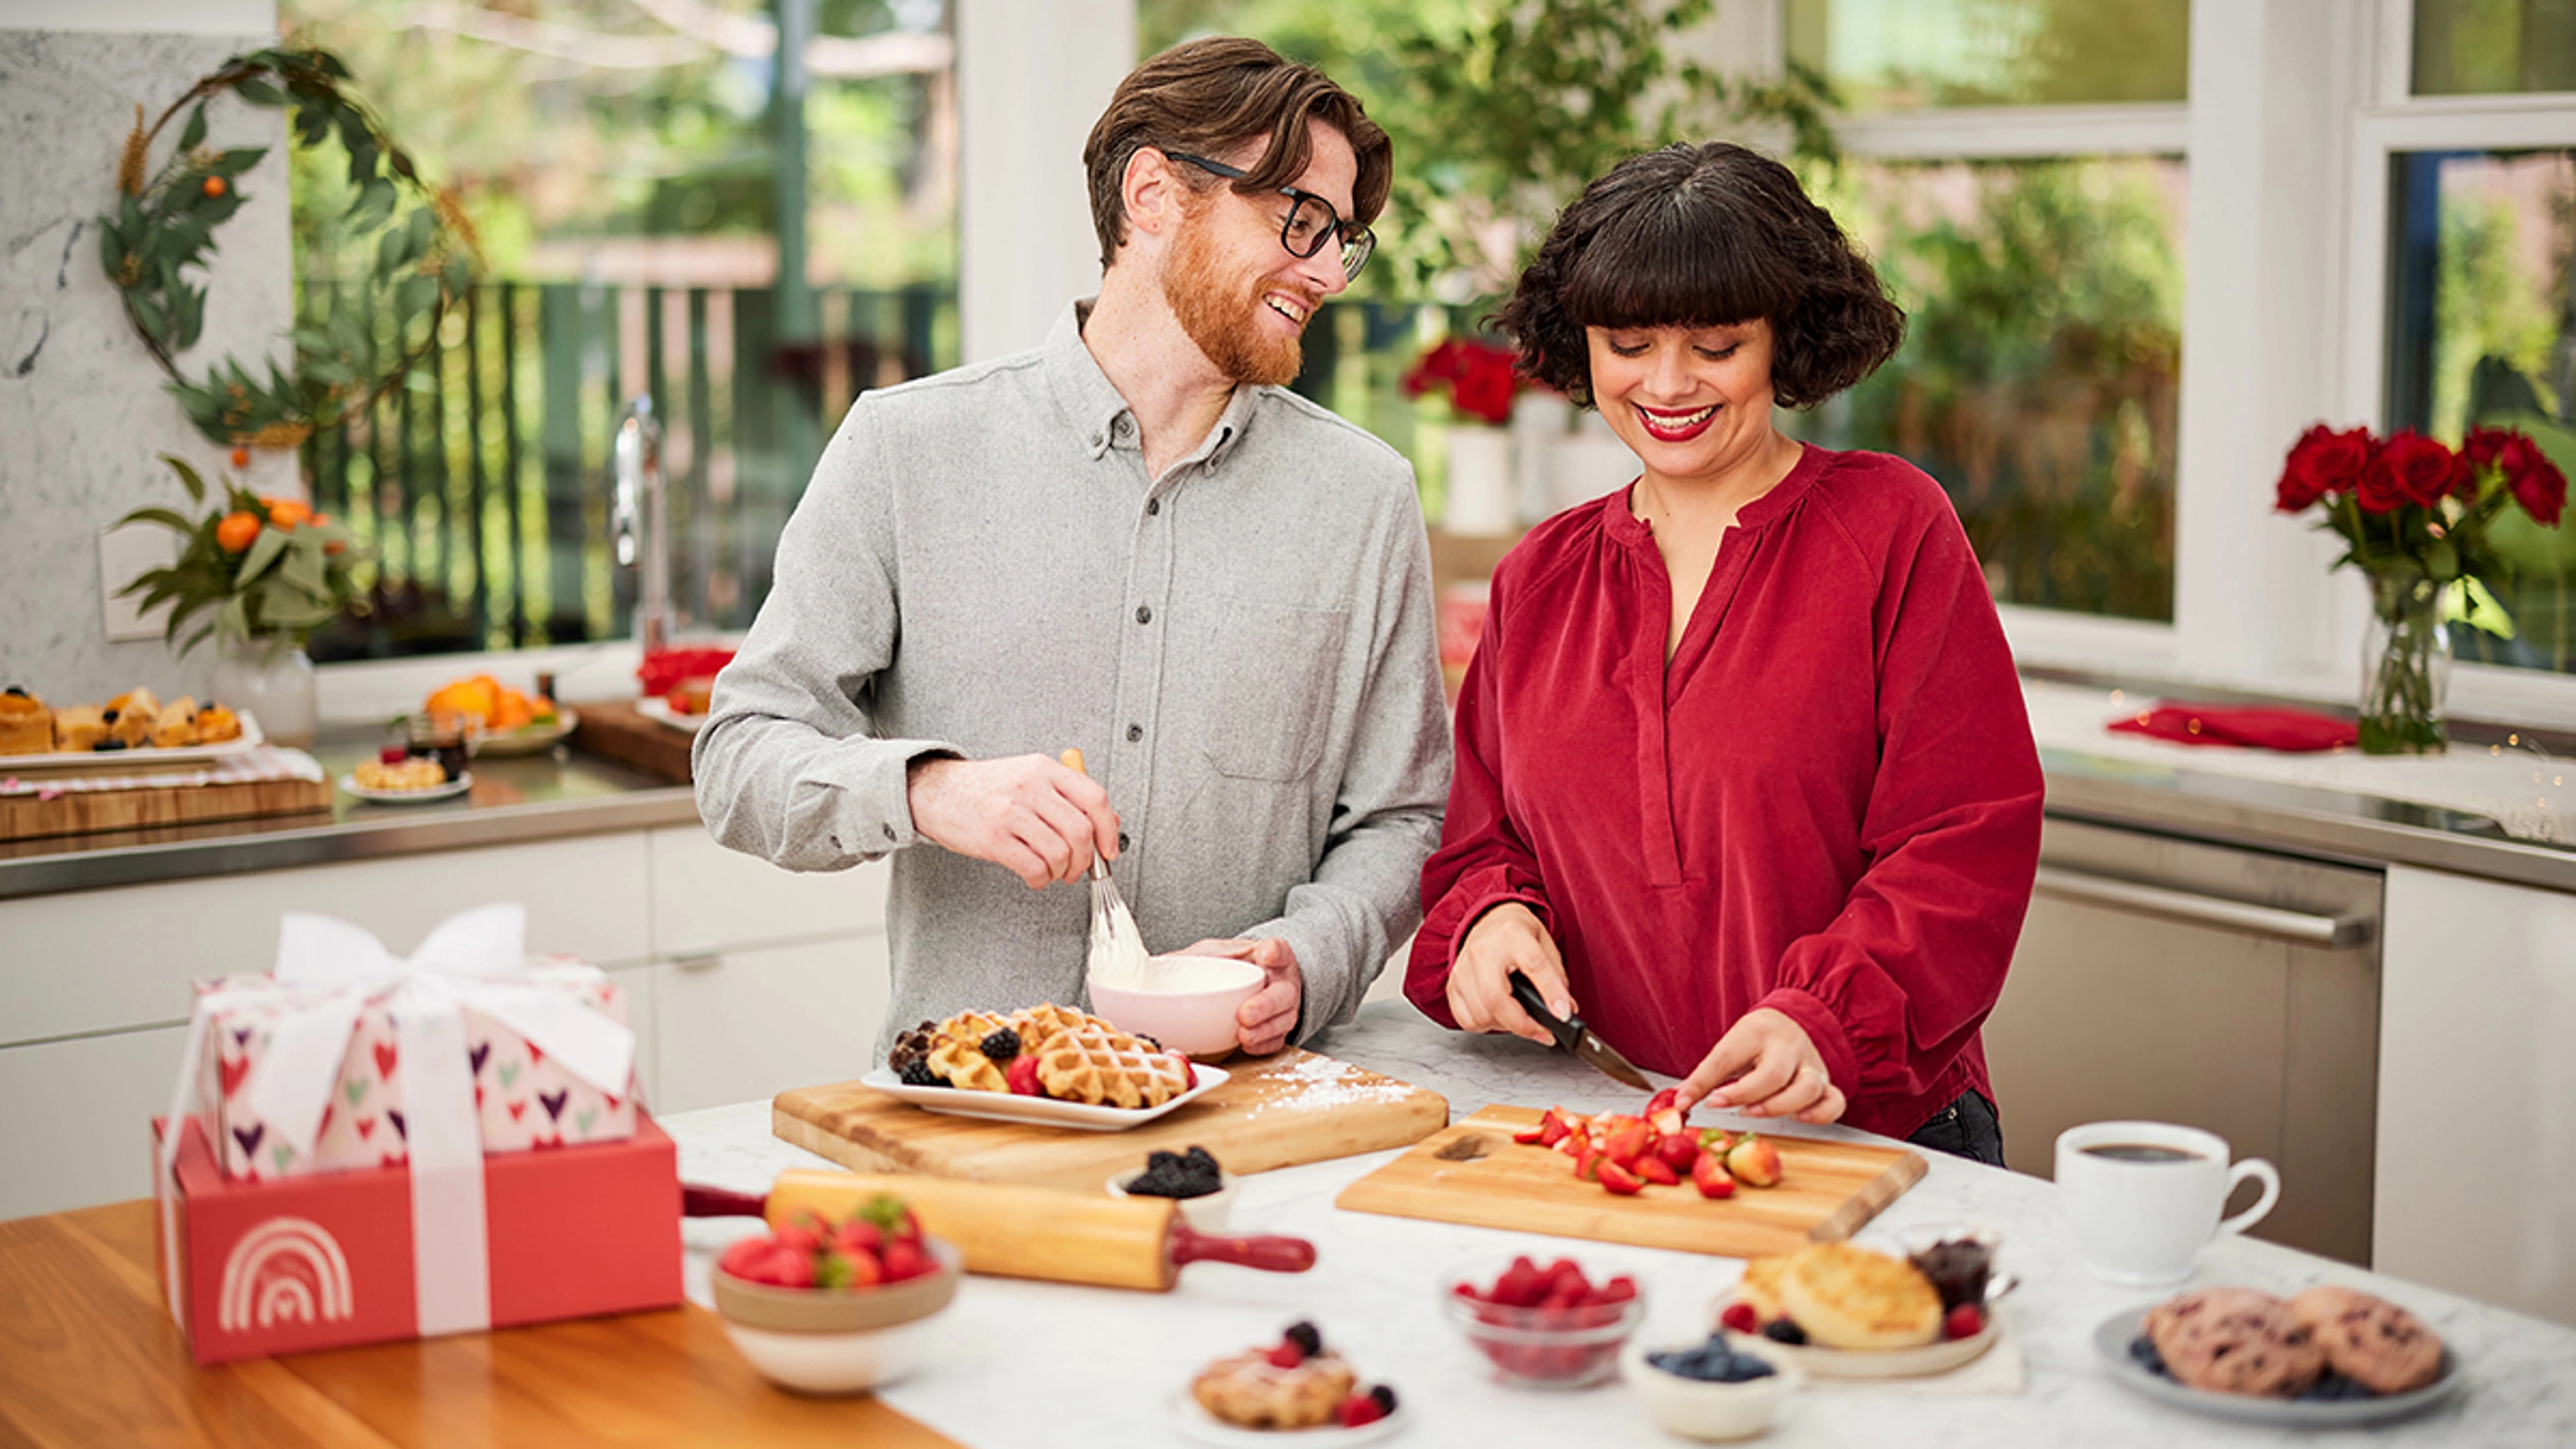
[(642, 520)]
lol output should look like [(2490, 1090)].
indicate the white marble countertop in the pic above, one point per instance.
[(1027, 1364)]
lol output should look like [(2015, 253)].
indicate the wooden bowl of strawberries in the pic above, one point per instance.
[(836, 1307)]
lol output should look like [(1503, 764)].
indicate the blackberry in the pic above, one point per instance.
[(108, 747), (1198, 1158), (917, 1073), (107, 716), (2143, 1349), (1001, 1045), (1385, 1398), (19, 690), (1309, 1341), (1781, 1330), (909, 1047)]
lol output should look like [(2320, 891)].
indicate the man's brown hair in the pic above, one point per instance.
[(1208, 97)]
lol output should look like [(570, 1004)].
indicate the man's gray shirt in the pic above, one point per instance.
[(1244, 650)]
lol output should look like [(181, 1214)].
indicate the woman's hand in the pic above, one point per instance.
[(1765, 1066), (1506, 939)]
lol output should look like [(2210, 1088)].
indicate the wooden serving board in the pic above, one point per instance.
[(26, 817), (1827, 1190), (616, 730), (1278, 1111)]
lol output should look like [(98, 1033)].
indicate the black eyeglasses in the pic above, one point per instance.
[(1311, 221)]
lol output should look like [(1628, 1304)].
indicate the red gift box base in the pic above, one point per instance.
[(326, 1261)]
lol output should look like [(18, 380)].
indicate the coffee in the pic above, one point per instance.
[(2140, 1152)]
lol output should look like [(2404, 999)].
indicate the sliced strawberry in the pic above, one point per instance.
[(1655, 1169), (1572, 1144), (1678, 1150), (1619, 1179), (1628, 1142), (1535, 1137), (1664, 1113), (1552, 1127), (1708, 1174)]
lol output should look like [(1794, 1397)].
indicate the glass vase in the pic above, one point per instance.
[(272, 681), (2405, 668)]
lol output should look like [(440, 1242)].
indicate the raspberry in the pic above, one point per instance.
[(1287, 1355), (1360, 1409), (1741, 1318), (1964, 1321)]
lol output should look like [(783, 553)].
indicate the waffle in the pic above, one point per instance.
[(957, 1059), (1249, 1391), (1850, 1297), (1099, 1064), (1037, 1023)]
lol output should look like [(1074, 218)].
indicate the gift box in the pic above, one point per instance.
[(314, 1066), (332, 1259)]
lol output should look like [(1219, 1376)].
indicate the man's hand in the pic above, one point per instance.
[(1027, 814), (1506, 939), (1765, 1066), (1264, 1020)]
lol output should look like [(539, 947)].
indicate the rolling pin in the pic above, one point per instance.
[(1021, 1232)]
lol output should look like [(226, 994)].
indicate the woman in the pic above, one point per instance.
[(1743, 771)]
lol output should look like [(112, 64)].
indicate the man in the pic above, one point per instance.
[(1134, 541)]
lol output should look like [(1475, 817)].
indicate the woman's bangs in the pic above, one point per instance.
[(1664, 266)]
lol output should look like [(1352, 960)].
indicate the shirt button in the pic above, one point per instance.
[(1124, 426), (1135, 733), (1122, 842), (1153, 506), (1144, 613)]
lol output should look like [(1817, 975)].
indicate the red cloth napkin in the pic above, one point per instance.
[(2293, 730)]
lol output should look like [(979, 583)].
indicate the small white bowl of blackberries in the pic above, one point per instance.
[(1203, 1190), (1726, 1387)]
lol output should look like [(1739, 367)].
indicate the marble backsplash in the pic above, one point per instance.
[(82, 412)]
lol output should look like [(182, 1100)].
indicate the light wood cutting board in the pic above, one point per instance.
[(1278, 1111), (25, 817), (1827, 1191)]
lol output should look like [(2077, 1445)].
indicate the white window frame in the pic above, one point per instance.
[(2295, 107), (2391, 120)]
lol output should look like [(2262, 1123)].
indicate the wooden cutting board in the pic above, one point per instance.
[(616, 730), (1827, 1190), (26, 817), (1278, 1111)]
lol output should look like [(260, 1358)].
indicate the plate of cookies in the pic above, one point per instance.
[(2323, 1357), (1852, 1311), (1046, 1064)]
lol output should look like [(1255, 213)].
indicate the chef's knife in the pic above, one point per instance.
[(1575, 1037)]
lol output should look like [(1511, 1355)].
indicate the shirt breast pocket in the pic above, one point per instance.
[(1271, 687)]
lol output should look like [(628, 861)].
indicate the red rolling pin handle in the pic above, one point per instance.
[(1270, 1255), (717, 1202)]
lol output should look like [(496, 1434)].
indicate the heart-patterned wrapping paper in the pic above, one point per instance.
[(524, 1100)]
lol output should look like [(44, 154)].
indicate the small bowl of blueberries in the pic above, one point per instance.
[(1726, 1387), (1204, 1191)]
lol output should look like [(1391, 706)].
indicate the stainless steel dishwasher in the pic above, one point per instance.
[(2185, 981)]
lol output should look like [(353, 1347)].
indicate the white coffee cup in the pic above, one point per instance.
[(2143, 1197)]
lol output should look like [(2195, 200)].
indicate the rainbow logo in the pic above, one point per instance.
[(285, 1268)]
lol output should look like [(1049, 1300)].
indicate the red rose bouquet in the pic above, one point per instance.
[(2413, 516), (1478, 377)]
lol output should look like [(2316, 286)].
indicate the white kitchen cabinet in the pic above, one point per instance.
[(745, 1025), (2477, 1091), (78, 1129), (707, 898)]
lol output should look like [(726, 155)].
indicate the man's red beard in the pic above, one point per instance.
[(1225, 322)]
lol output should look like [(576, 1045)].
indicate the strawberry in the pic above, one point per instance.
[(903, 1258), (1664, 1113), (1753, 1162), (1552, 1127), (1965, 1321), (1021, 1076), (785, 1267), (1287, 1354), (1741, 1318), (1535, 1137), (858, 1235), (1708, 1174), (1678, 1150), (1656, 1170), (1628, 1141), (737, 1259), (1360, 1409), (798, 1237), (1620, 1180), (1572, 1144), (1716, 1139)]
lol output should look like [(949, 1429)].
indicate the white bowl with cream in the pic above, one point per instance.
[(1185, 1002)]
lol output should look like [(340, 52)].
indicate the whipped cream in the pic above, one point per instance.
[(1118, 948)]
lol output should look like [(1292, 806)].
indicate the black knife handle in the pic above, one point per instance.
[(1566, 1030)]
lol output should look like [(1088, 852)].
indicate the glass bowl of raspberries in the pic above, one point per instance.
[(827, 1307), (1544, 1325)]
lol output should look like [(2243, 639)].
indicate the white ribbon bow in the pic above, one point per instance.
[(328, 971)]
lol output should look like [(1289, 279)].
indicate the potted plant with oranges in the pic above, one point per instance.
[(271, 571)]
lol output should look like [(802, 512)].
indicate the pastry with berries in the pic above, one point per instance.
[(1295, 1383), (26, 724)]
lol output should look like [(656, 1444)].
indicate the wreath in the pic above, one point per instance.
[(424, 255)]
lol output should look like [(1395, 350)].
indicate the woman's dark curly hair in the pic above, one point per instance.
[(1704, 236)]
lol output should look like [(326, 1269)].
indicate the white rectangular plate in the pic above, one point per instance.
[(153, 757), (657, 708), (1044, 1111)]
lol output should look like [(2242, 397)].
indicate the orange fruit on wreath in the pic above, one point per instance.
[(287, 512), (241, 457), (214, 186), (236, 531)]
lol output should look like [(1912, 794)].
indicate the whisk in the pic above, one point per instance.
[(1117, 947)]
